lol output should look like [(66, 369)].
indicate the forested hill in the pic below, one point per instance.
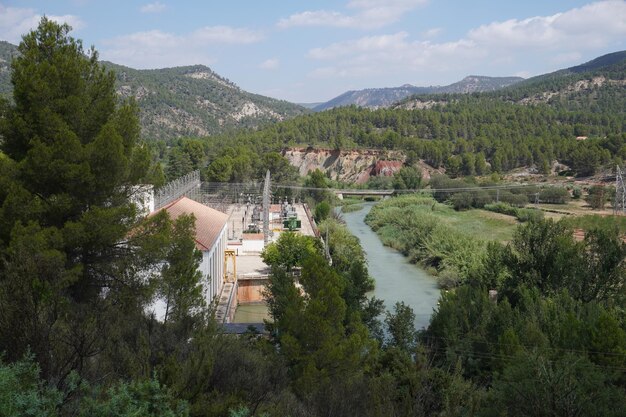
[(576, 118), (596, 86), (183, 101), (7, 52), (195, 101), (385, 97)]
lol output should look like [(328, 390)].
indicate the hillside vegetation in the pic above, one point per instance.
[(182, 101), (477, 134), (597, 86)]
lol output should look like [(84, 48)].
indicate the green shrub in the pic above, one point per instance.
[(521, 214), (448, 279), (503, 208), (351, 208), (462, 201), (598, 197), (424, 238), (517, 200), (527, 215), (554, 195), (322, 210), (481, 197)]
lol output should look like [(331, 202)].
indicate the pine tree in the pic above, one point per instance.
[(71, 281)]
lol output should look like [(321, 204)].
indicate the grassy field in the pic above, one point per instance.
[(450, 242), (481, 224), (589, 222), (453, 243), (571, 208)]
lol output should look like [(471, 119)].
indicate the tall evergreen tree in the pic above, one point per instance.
[(72, 277)]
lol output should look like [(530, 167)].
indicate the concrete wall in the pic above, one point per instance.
[(250, 290), (248, 246)]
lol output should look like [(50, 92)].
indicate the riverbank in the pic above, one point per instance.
[(447, 243), (396, 279)]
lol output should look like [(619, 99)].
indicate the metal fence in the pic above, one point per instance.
[(188, 186)]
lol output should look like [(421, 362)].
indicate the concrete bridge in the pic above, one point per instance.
[(381, 193)]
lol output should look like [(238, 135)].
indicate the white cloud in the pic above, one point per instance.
[(589, 26), (567, 58), (157, 49), (16, 21), (390, 53), (156, 7), (367, 44), (224, 34), (432, 33), (499, 47), (369, 14), (270, 64)]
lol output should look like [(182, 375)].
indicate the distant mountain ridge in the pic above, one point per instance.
[(182, 101), (385, 97), (596, 85)]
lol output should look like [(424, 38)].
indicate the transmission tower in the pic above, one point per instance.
[(266, 209), (620, 193)]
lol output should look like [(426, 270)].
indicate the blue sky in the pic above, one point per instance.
[(313, 51)]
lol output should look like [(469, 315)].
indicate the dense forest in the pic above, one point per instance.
[(471, 134), (531, 124), (538, 322)]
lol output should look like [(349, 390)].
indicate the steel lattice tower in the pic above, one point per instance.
[(620, 193), (266, 209)]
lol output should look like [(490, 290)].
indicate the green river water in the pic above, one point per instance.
[(396, 278)]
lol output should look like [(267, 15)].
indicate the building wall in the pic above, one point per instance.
[(250, 290), (212, 267)]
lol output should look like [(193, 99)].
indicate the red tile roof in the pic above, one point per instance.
[(209, 222)]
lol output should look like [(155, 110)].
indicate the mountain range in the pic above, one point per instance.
[(182, 101), (196, 101), (385, 97), (597, 85)]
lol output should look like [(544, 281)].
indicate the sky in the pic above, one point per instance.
[(312, 51)]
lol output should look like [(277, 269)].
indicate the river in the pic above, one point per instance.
[(396, 278)]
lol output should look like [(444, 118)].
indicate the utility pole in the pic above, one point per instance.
[(266, 209)]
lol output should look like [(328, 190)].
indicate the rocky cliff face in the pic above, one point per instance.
[(349, 166), (355, 166)]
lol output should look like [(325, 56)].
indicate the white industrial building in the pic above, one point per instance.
[(211, 235)]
